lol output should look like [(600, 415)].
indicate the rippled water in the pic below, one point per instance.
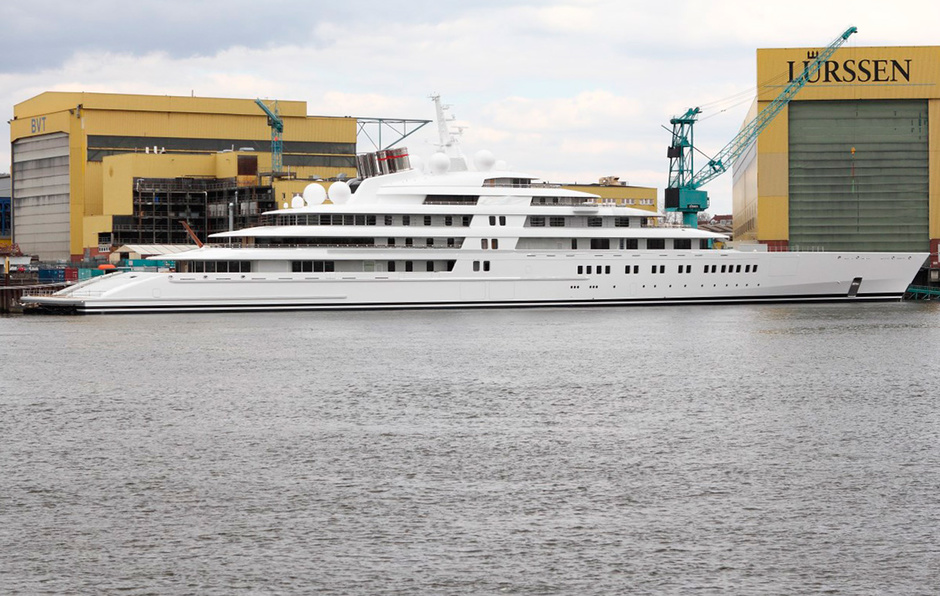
[(709, 450)]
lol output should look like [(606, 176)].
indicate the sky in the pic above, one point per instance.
[(567, 90)]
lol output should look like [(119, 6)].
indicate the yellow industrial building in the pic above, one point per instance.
[(92, 170), (611, 189), (853, 162)]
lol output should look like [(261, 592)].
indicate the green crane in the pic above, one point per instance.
[(277, 129), (682, 193)]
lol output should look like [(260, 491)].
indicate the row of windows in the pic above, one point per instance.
[(538, 221), (601, 269), (502, 220), (312, 266), (486, 265), (429, 266), (451, 242), (635, 269), (486, 243), (214, 266), (729, 269), (337, 219)]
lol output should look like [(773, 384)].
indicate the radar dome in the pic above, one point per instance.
[(297, 202), (314, 194), (483, 160), (339, 192), (439, 163)]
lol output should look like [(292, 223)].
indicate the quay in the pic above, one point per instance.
[(10, 294)]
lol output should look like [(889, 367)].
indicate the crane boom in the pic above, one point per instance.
[(682, 193), (277, 129)]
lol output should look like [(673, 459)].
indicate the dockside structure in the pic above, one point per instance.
[(851, 164), (95, 170)]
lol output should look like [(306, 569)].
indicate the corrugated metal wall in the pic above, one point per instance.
[(41, 195), (873, 200)]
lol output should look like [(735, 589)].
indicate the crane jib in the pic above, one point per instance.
[(681, 194)]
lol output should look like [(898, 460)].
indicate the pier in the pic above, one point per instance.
[(10, 294)]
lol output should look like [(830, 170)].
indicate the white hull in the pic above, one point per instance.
[(524, 280)]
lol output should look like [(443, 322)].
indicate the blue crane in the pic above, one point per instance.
[(683, 194), (277, 129)]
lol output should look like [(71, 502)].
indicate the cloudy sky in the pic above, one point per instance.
[(568, 90)]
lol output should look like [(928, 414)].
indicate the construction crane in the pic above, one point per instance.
[(682, 193), (277, 129)]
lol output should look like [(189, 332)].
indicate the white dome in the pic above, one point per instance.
[(439, 163), (297, 202), (339, 192), (314, 194), (483, 160)]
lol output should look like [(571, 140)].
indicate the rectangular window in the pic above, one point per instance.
[(450, 242), (502, 220), (595, 222), (574, 244), (317, 267), (370, 220), (600, 243), (703, 243), (409, 266), (486, 265), (427, 220), (755, 269), (391, 266), (476, 265), (714, 268), (448, 220), (747, 268), (484, 243), (360, 220), (723, 268), (621, 222), (627, 269), (589, 269), (636, 268), (681, 268), (629, 243), (388, 220), (492, 220), (580, 269), (430, 242), (406, 220), (655, 244), (409, 241), (430, 266), (682, 244), (653, 270), (556, 222), (391, 242), (495, 243), (337, 220), (537, 221), (465, 221), (607, 269), (662, 268), (737, 269)]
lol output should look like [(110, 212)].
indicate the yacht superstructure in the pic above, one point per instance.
[(403, 237)]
